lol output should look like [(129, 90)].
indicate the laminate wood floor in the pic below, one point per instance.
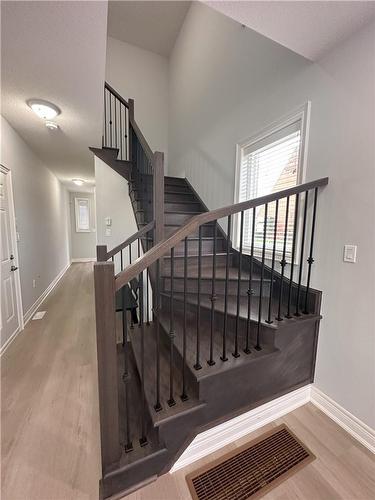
[(50, 426)]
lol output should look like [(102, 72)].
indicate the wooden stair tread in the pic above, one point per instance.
[(167, 412)]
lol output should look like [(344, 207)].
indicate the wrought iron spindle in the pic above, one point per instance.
[(121, 158), (283, 260), (126, 118), (143, 438), (125, 377), (115, 102), (184, 396), (269, 320), (121, 261), (171, 401), (223, 357), (105, 118), (310, 260), (236, 353), (250, 289), (147, 289), (297, 313), (288, 315), (211, 361), (157, 406), (198, 365), (110, 117), (258, 347), (130, 261)]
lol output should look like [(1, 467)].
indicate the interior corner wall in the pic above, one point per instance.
[(112, 200), (143, 76), (83, 244), (226, 84), (41, 216)]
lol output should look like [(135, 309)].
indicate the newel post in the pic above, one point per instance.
[(158, 191), (105, 312), (101, 253)]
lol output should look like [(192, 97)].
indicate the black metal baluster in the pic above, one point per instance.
[(236, 353), (130, 261), (110, 116), (283, 260), (258, 347), (105, 119), (297, 313), (126, 116), (288, 315), (224, 354), (250, 289), (184, 396), (115, 122), (269, 320), (157, 406), (171, 401), (310, 260), (121, 158), (143, 438), (198, 365), (147, 289), (126, 377), (121, 261), (211, 361)]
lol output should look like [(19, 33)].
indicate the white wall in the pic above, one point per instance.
[(83, 245), (143, 76), (41, 215), (112, 200), (226, 84)]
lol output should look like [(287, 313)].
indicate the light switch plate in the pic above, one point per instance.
[(350, 253), (108, 231)]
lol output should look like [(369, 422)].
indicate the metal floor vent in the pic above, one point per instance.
[(251, 470)]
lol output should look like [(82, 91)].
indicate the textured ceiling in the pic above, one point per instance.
[(309, 28), (151, 25), (55, 51)]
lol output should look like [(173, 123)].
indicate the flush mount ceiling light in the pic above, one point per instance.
[(52, 125), (43, 109), (78, 182)]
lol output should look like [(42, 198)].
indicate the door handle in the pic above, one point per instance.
[(13, 268), (11, 257)]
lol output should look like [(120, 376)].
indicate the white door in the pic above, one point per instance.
[(9, 320)]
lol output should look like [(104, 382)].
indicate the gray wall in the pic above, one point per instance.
[(143, 76), (41, 212), (226, 84), (83, 245)]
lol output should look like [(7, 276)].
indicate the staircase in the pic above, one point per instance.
[(220, 331)]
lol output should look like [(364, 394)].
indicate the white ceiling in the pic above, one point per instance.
[(55, 51), (151, 25), (309, 28)]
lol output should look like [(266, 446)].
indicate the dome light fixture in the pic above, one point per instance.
[(52, 125), (44, 109), (78, 182)]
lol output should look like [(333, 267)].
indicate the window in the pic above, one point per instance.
[(268, 163), (82, 211)]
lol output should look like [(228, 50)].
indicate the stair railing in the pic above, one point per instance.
[(285, 230)]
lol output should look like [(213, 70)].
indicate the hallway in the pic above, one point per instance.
[(50, 426)]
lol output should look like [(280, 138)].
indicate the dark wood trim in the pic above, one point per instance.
[(101, 253), (160, 249), (130, 240), (141, 138), (158, 192), (116, 94), (105, 308)]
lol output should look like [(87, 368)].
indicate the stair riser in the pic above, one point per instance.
[(206, 287), (206, 231), (267, 334), (178, 219), (206, 263), (176, 197), (207, 247), (183, 206)]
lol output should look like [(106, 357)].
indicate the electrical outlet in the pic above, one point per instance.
[(34, 283)]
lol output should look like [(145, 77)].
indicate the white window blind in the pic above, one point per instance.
[(82, 210), (269, 165)]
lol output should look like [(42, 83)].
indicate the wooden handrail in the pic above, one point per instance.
[(193, 224), (141, 138), (132, 238), (116, 94)]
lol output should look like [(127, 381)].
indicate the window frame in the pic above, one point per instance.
[(302, 114), (77, 199)]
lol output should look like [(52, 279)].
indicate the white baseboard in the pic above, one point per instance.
[(359, 430), (209, 441), (28, 315), (84, 259), (9, 341)]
